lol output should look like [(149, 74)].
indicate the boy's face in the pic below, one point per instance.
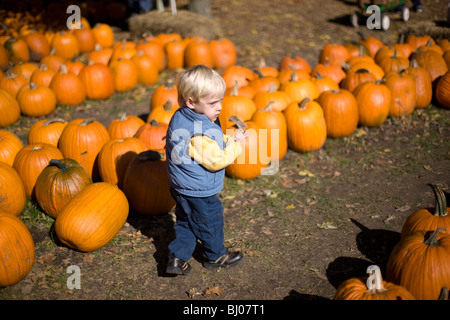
[(209, 105)]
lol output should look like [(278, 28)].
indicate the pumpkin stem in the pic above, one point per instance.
[(239, 123), (272, 87), (154, 123), (413, 63), (260, 75), (33, 86), (441, 201), (432, 240), (168, 106), (63, 68), (303, 103), (87, 121), (444, 294), (374, 282), (63, 167), (123, 116), (269, 106), (50, 121)]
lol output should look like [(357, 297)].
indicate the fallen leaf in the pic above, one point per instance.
[(404, 208), (291, 206), (306, 173), (427, 167), (327, 225), (214, 290), (192, 293)]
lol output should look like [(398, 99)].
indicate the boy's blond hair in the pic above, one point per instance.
[(197, 82)]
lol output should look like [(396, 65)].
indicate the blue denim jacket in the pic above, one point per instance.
[(185, 175)]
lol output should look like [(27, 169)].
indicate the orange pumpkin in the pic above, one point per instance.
[(46, 131), (429, 218), (43, 76), (114, 157), (146, 184), (254, 158), (198, 52), (65, 44), (98, 81), (371, 288), (18, 252), (294, 62), (31, 160), (125, 126), (341, 112), (93, 217), (424, 86), (239, 106), (9, 109), (12, 190), (162, 113), (419, 262), (163, 94), (306, 125), (442, 91), (103, 34), (36, 101), (38, 45), (82, 140), (68, 88), (58, 183), (403, 92), (152, 134), (223, 53), (274, 122), (146, 68), (125, 74), (10, 145), (334, 54), (374, 102)]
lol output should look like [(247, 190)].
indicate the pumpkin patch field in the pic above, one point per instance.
[(352, 206)]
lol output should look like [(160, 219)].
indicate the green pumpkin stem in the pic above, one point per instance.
[(432, 240), (63, 167)]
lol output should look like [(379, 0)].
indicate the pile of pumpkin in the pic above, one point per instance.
[(87, 176), (417, 268)]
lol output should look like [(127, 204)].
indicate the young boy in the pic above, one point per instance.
[(197, 153)]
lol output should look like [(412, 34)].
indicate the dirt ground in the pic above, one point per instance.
[(322, 218)]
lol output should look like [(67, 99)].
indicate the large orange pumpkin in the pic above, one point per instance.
[(419, 262), (92, 218), (18, 252), (46, 131), (146, 184), (58, 183), (125, 126), (12, 190), (152, 134), (424, 86), (125, 74), (341, 112), (9, 109), (10, 145), (239, 106), (68, 87), (306, 125), (114, 157), (403, 92), (442, 91), (36, 101), (374, 102), (81, 140), (98, 80), (429, 218), (274, 122), (253, 159)]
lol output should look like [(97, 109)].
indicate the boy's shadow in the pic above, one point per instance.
[(158, 228)]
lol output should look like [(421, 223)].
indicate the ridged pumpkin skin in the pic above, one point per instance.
[(46, 131), (146, 184), (341, 112), (12, 190), (93, 217), (420, 263), (17, 250), (306, 126), (58, 183), (9, 109), (374, 103), (443, 90), (115, 156), (124, 127), (403, 91), (31, 160), (82, 140), (254, 156), (10, 145)]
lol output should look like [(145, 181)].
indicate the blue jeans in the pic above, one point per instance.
[(197, 218)]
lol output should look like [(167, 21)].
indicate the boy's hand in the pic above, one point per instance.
[(240, 135)]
